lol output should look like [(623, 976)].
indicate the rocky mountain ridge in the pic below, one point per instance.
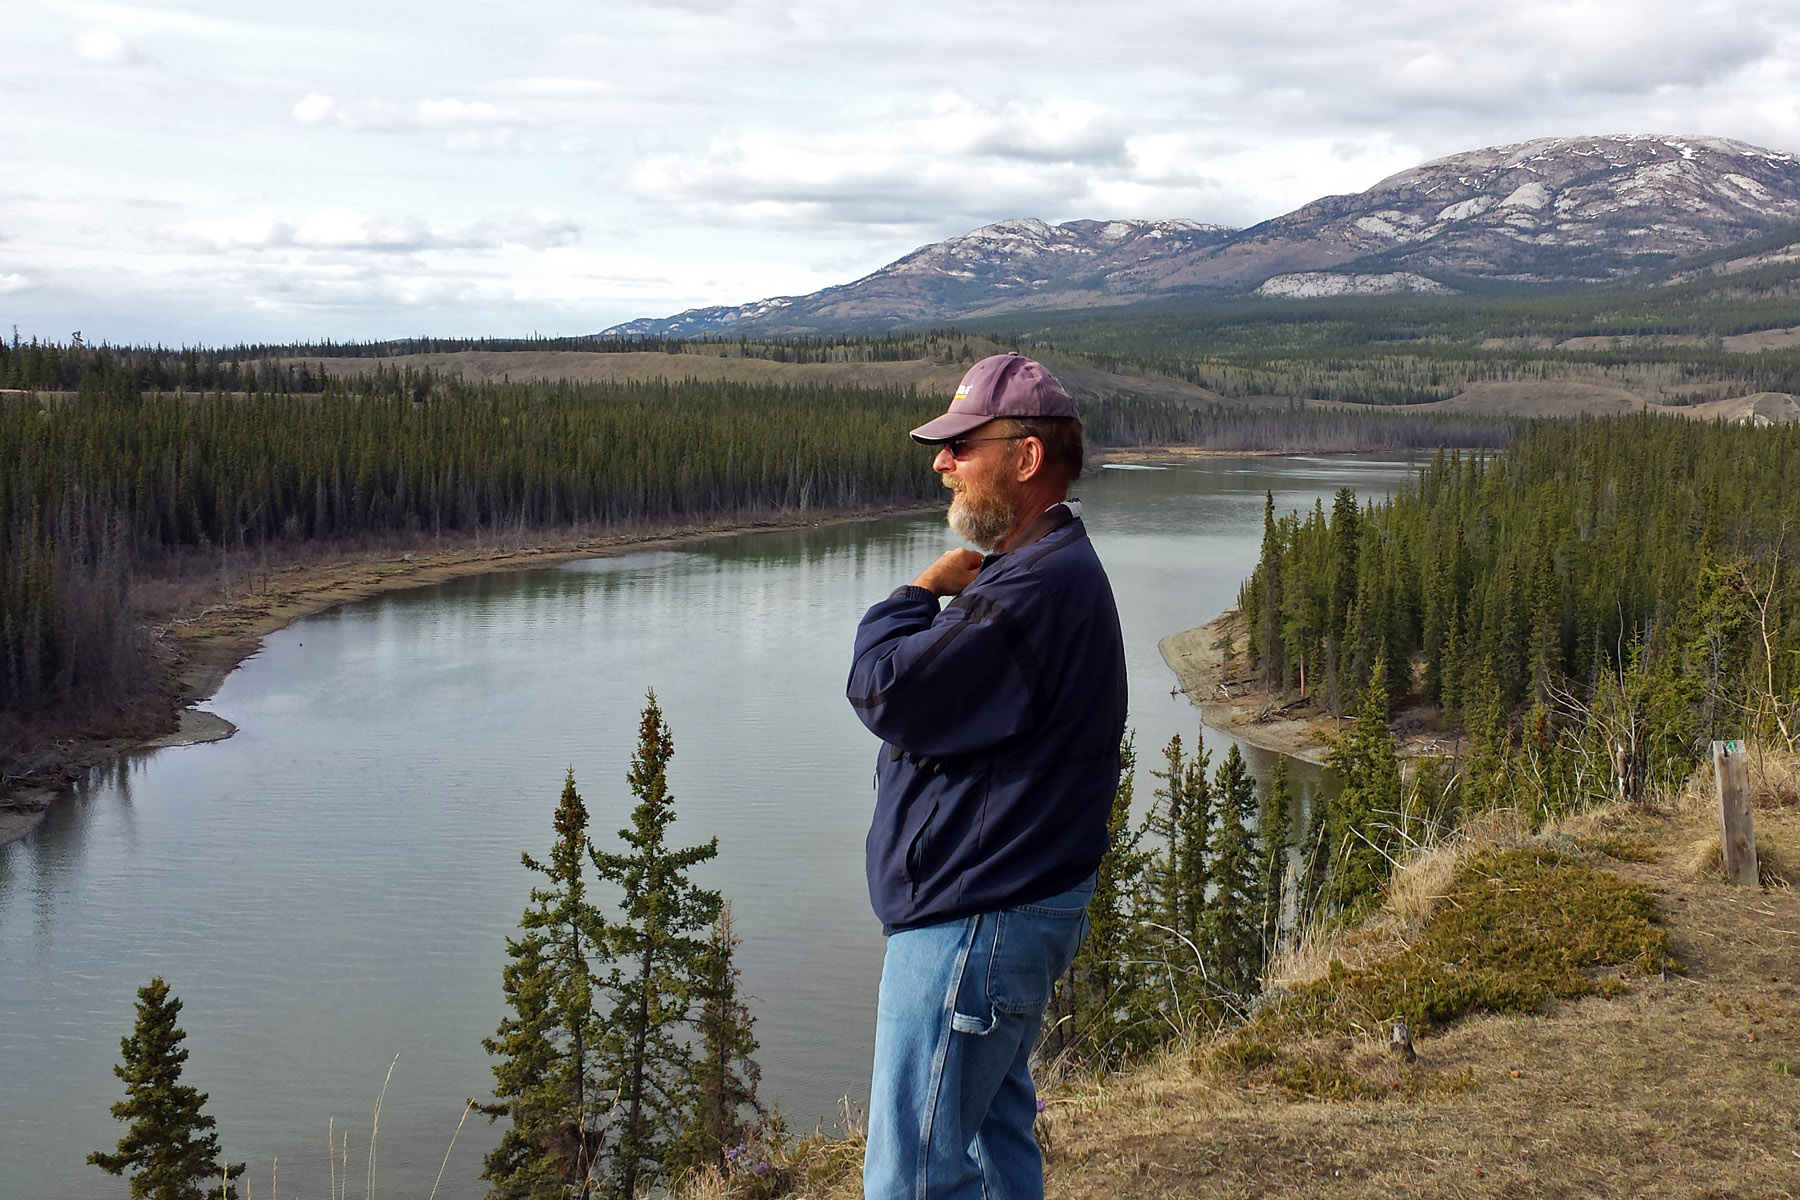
[(1550, 210)]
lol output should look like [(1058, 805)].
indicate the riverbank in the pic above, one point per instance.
[(1210, 666), (207, 616)]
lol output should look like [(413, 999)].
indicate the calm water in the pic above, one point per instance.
[(333, 886)]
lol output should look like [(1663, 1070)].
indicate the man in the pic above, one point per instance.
[(1001, 715)]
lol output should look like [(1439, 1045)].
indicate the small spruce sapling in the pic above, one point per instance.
[(726, 1110), (169, 1146), (658, 953), (1274, 832), (1232, 924), (545, 1079)]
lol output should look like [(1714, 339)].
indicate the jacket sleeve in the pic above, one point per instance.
[(954, 682)]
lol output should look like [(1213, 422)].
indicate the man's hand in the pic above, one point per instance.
[(949, 575)]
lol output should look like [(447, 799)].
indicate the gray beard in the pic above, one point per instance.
[(985, 525)]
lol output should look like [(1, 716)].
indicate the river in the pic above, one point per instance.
[(333, 886)]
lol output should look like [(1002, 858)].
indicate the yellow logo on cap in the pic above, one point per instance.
[(961, 393)]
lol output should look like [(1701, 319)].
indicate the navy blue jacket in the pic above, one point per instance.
[(1001, 717)]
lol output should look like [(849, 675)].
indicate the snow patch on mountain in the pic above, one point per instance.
[(1307, 285)]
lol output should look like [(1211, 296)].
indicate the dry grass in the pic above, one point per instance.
[(1682, 1084), (1413, 896)]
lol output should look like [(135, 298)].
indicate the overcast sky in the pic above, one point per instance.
[(201, 171)]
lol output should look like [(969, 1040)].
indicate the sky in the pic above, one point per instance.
[(205, 172)]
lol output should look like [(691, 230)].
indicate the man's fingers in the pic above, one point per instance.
[(951, 573)]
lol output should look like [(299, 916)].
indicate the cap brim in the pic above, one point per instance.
[(950, 425)]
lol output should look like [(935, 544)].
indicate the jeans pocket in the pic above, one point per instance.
[(1033, 945)]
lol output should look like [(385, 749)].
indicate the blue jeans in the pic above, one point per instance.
[(951, 1105)]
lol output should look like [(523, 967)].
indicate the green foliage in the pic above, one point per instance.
[(1516, 929), (726, 1111), (1096, 1015), (659, 958), (1233, 916), (1274, 835), (1178, 829), (1362, 829), (547, 1081), (169, 1147), (1183, 918), (626, 1053), (1604, 584)]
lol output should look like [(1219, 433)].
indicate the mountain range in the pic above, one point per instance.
[(1549, 211)]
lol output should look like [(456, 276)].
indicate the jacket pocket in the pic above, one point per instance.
[(918, 849)]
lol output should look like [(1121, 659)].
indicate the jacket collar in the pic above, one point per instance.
[(1048, 521)]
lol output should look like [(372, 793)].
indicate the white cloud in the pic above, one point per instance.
[(350, 229), (672, 154), (14, 283), (104, 47), (386, 116)]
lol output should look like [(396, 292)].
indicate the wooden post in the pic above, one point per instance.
[(1737, 833)]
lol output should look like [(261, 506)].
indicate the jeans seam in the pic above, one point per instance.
[(936, 1087)]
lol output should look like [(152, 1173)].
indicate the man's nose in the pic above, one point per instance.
[(944, 462)]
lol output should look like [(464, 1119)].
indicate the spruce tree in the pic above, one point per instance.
[(1176, 876), (1097, 1011), (545, 1081), (659, 953), (1232, 925), (1264, 611), (1361, 836), (1315, 862), (169, 1145), (1274, 833), (1490, 743), (725, 1075)]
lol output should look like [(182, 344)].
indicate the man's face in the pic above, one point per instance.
[(985, 504)]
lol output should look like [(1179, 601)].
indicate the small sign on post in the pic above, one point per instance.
[(1737, 833)]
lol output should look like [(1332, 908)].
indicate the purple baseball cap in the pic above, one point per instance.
[(1001, 385)]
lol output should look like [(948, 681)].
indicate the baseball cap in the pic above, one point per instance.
[(1001, 385)]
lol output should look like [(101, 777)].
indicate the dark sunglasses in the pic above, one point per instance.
[(959, 447)]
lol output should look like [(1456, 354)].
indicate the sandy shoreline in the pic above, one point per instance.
[(1209, 665), (197, 650)]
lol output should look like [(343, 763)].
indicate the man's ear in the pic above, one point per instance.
[(1031, 459)]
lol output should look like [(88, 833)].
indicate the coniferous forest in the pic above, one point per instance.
[(118, 459), (112, 478), (1594, 606)]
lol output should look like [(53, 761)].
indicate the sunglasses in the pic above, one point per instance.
[(959, 446)]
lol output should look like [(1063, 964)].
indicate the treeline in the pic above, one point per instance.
[(116, 460), (116, 477), (1187, 910), (293, 368), (1289, 429), (1423, 372), (1606, 583)]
